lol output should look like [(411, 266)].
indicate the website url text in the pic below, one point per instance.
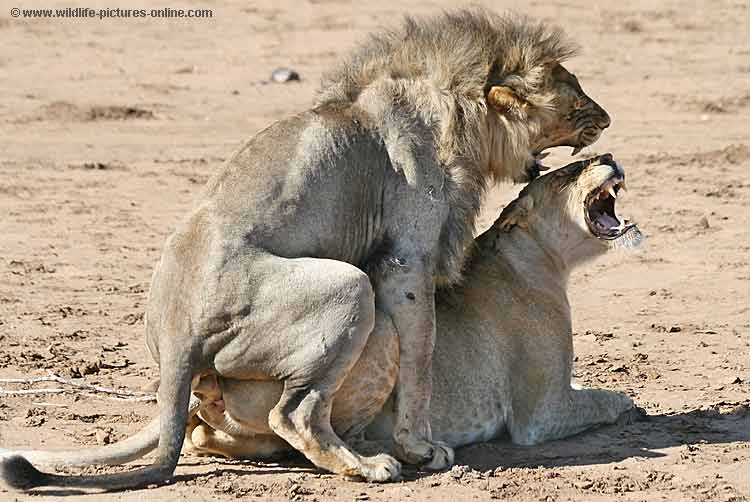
[(110, 13)]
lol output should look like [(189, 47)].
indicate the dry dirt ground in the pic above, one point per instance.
[(109, 128)]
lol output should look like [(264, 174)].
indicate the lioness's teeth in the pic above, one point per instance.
[(575, 151), (611, 191)]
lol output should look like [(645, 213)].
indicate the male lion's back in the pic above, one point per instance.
[(307, 186)]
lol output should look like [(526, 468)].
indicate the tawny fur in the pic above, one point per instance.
[(504, 351), (386, 173)]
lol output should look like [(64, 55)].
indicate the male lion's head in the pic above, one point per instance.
[(492, 86), (534, 103), (571, 211)]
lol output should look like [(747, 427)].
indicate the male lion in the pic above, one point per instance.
[(264, 280)]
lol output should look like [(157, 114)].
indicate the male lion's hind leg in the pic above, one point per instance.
[(573, 411), (302, 418), (322, 319)]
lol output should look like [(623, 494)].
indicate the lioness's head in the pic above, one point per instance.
[(571, 211), (537, 104)]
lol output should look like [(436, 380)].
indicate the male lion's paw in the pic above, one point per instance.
[(633, 415), (433, 455), (442, 457), (381, 468)]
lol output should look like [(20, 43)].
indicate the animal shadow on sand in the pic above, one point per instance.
[(722, 423)]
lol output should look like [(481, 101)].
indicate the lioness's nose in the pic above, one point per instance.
[(607, 158)]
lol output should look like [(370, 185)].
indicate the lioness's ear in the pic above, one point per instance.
[(504, 100), (516, 213)]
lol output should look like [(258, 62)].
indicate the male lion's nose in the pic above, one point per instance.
[(605, 120)]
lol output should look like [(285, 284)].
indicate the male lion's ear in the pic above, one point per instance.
[(516, 213), (504, 100)]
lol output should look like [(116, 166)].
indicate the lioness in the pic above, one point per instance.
[(265, 279)]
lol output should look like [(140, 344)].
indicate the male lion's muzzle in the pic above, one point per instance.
[(591, 120)]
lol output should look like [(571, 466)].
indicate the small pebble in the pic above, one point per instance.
[(102, 437), (584, 484), (281, 75)]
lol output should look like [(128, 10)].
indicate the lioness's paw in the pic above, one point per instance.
[(381, 468), (633, 415), (621, 404), (433, 455)]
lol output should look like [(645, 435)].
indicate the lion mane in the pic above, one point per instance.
[(441, 69)]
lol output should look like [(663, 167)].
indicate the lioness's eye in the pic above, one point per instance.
[(579, 103)]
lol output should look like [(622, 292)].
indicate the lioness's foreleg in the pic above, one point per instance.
[(570, 412)]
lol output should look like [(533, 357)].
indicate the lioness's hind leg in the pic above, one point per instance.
[(207, 440)]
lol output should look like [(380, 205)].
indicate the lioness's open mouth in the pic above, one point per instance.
[(599, 210)]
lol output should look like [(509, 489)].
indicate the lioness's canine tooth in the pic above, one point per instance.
[(611, 191)]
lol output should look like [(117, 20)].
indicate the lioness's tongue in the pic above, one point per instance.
[(606, 222)]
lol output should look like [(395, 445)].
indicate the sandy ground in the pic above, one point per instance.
[(109, 128)]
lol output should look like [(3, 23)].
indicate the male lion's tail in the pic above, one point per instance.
[(124, 451), (168, 431)]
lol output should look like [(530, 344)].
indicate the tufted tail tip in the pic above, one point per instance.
[(19, 474)]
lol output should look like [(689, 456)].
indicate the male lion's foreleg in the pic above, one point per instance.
[(572, 412), (406, 292)]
